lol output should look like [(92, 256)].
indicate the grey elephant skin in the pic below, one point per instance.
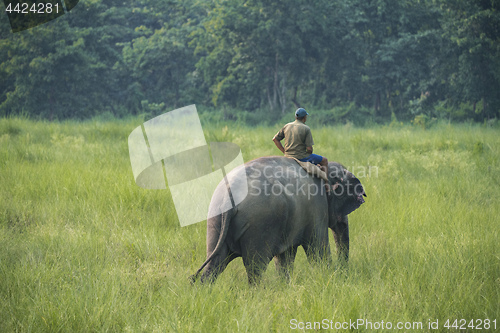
[(285, 208)]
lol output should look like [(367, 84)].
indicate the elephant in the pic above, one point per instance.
[(284, 208)]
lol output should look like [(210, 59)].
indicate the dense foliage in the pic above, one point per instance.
[(352, 59)]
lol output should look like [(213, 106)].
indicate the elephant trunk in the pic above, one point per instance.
[(341, 235)]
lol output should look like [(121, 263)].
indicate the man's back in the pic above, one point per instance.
[(297, 137), (299, 142)]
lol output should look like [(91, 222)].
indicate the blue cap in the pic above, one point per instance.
[(301, 113)]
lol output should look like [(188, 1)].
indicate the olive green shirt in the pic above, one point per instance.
[(297, 137)]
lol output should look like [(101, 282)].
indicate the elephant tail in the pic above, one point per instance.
[(225, 218)]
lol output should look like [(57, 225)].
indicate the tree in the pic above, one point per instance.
[(387, 53), (473, 28), (260, 51), (64, 68), (160, 61)]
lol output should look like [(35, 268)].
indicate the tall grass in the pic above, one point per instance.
[(83, 249)]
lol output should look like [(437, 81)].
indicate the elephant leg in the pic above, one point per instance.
[(256, 264), (341, 236), (255, 269), (284, 262), (217, 265), (319, 251)]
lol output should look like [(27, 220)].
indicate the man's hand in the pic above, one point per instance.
[(278, 144)]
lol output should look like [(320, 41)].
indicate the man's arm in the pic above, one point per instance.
[(278, 144), (309, 150)]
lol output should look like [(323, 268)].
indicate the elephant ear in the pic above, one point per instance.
[(352, 191), (336, 173)]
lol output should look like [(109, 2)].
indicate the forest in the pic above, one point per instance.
[(350, 60)]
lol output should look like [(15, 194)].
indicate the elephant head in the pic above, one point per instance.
[(347, 194)]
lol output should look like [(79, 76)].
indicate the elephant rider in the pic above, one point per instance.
[(299, 141)]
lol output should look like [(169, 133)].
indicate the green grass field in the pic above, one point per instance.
[(84, 249)]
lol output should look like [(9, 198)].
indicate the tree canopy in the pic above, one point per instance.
[(375, 58)]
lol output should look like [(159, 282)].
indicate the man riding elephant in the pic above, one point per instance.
[(283, 209), (299, 141)]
